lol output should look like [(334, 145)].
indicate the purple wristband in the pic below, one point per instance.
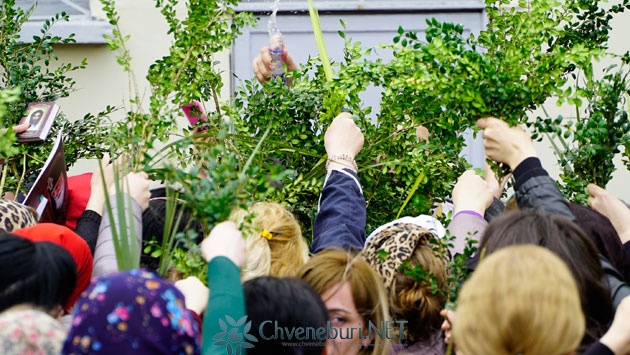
[(472, 213)]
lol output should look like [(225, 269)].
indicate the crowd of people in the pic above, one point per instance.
[(548, 277)]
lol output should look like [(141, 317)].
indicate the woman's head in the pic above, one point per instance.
[(571, 244), (29, 331), (40, 274), (520, 300), (132, 312), (14, 215), (154, 221), (402, 247), (355, 298), (290, 304), (274, 244), (71, 242)]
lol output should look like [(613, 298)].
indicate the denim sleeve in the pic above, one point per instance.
[(341, 216)]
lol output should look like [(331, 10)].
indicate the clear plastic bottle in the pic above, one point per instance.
[(276, 45)]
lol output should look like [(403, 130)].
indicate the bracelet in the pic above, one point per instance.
[(344, 157)]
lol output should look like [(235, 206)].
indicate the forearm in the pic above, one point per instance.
[(105, 254), (465, 225), (535, 189), (226, 299), (88, 227), (341, 217)]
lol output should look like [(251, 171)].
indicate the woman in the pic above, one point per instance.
[(520, 300), (274, 244), (412, 261), (132, 312), (570, 243), (42, 275), (355, 299), (70, 241)]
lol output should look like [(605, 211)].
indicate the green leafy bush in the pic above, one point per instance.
[(34, 69)]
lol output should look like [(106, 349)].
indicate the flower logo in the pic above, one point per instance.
[(236, 337)]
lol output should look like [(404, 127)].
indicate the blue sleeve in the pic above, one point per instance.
[(340, 220)]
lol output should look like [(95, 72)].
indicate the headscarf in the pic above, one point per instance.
[(132, 312), (14, 215), (73, 243), (389, 248), (423, 220), (29, 331)]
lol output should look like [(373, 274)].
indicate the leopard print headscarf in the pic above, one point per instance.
[(388, 249), (14, 216)]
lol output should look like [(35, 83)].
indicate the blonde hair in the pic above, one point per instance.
[(335, 267), (280, 256), (520, 300)]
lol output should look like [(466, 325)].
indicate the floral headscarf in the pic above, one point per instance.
[(133, 312), (28, 331)]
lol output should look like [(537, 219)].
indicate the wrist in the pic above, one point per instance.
[(339, 161), (615, 343), (624, 236), (480, 210), (95, 204), (518, 159)]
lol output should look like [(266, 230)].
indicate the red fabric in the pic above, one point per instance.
[(79, 190), (73, 243)]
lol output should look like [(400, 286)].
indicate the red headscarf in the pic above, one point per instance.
[(73, 243)]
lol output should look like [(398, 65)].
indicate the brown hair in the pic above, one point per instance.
[(520, 300), (335, 267), (420, 302), (280, 256)]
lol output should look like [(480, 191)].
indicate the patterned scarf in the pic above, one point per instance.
[(388, 249), (27, 331), (133, 312), (14, 215)]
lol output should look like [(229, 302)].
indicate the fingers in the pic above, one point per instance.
[(21, 127), (290, 63), (344, 115), (595, 190), (262, 65)]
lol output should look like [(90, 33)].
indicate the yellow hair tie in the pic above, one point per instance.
[(266, 234)]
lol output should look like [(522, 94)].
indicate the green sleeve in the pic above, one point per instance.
[(226, 299)]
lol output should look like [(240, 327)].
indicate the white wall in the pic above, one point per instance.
[(618, 44), (104, 82)]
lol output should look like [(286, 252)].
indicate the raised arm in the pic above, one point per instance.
[(224, 250), (471, 197), (533, 186), (136, 192), (341, 215)]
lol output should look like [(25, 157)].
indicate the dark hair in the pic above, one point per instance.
[(603, 234), (572, 245), (41, 114), (154, 222), (288, 303), (57, 274), (42, 274)]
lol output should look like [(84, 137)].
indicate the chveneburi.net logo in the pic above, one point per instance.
[(236, 336)]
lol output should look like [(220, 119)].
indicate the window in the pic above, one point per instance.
[(367, 21), (86, 28)]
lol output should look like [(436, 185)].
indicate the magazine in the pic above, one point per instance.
[(40, 116), (49, 194)]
